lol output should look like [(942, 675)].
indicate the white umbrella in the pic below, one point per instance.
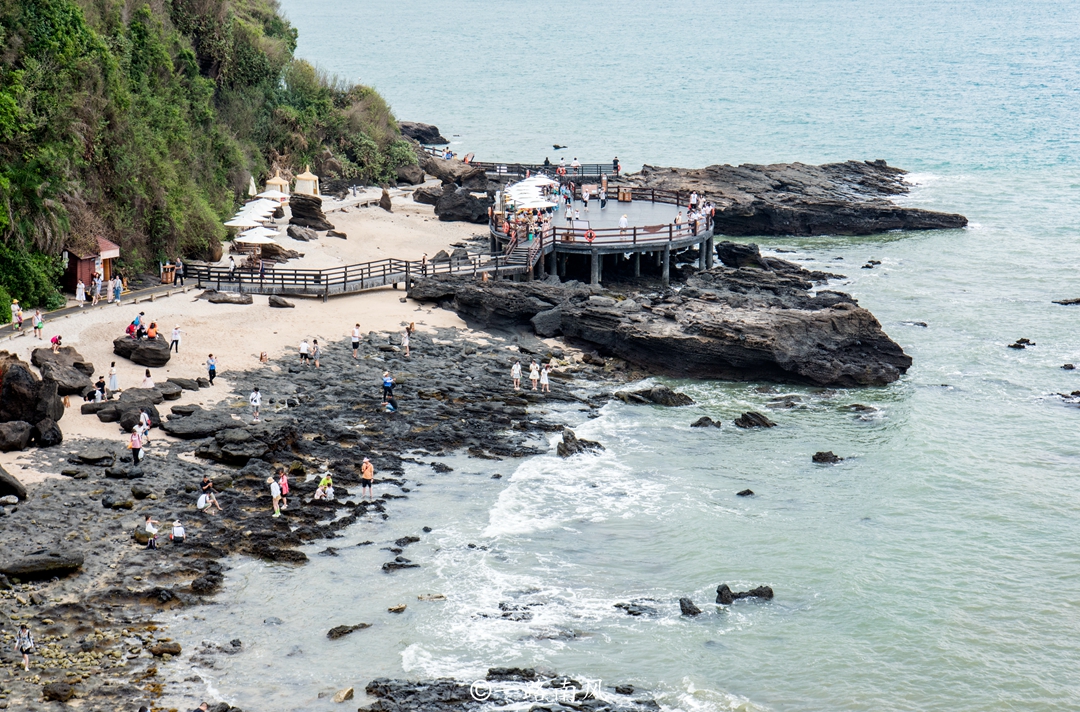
[(538, 180), (261, 204), (257, 213), (536, 204), (254, 239), (242, 221), (273, 194), (261, 231)]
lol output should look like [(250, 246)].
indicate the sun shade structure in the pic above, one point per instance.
[(243, 221), (273, 195), (278, 183), (307, 182), (257, 236)]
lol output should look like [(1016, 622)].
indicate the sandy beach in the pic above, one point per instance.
[(236, 334)]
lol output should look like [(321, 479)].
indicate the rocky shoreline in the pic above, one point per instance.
[(90, 590)]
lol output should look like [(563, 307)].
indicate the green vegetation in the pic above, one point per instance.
[(141, 122)]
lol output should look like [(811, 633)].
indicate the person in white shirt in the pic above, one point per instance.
[(178, 534), (144, 425), (305, 352), (356, 341), (622, 224), (256, 400), (151, 532), (175, 339), (576, 166), (275, 494), (515, 373)]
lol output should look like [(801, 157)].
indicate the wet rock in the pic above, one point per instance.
[(745, 493), (511, 674), (307, 212), (43, 565), (1069, 367), (573, 445), (687, 607), (706, 422), (10, 485), (397, 609), (343, 695), (390, 566), (726, 596), (153, 353), (57, 692), (279, 303), (15, 435), (140, 491), (208, 583), (1067, 302), (169, 648), (826, 457), (660, 395), (406, 540), (342, 630), (753, 419), (636, 609)]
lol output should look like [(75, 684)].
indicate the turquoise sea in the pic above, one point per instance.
[(936, 568)]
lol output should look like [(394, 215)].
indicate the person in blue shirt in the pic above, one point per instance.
[(387, 385)]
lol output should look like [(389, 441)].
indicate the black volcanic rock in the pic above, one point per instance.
[(307, 212), (145, 352), (422, 133), (850, 198)]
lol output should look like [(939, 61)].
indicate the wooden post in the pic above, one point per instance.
[(667, 264), (595, 276), (408, 281)]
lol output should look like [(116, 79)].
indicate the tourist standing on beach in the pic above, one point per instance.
[(305, 352), (515, 374), (387, 385), (80, 293), (95, 285), (175, 339), (316, 352), (211, 368), (118, 289), (275, 495), (356, 340), (405, 341), (534, 373), (148, 380), (114, 380), (39, 324), (24, 645), (135, 445), (255, 399), (367, 477), (545, 387)]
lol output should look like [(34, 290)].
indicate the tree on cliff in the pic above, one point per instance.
[(141, 122)]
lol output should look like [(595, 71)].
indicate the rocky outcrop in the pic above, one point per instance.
[(215, 297), (47, 433), (850, 198), (410, 175), (42, 566), (738, 324), (303, 234), (153, 353), (25, 397), (66, 367), (726, 596), (450, 171), (10, 486), (428, 194), (657, 395), (826, 458), (307, 212), (340, 631), (280, 303), (753, 419), (422, 133), (687, 608), (15, 435), (463, 205), (573, 445)]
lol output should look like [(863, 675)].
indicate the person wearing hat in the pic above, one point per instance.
[(275, 493), (367, 477), (177, 535), (622, 225), (16, 314)]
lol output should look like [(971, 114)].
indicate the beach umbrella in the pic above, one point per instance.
[(254, 239), (258, 232), (242, 221), (273, 194), (261, 204), (536, 205)]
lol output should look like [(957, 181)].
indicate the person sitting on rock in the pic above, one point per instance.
[(207, 498), (99, 389)]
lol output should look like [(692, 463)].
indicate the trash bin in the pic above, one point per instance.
[(168, 274), (626, 195)]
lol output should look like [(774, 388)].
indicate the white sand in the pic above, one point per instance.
[(236, 334)]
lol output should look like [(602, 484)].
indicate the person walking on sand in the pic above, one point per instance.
[(118, 289), (24, 645), (39, 324), (316, 352), (114, 379), (283, 482), (175, 344), (144, 425), (148, 380), (545, 386), (367, 477), (515, 374), (405, 341), (80, 293), (534, 373), (135, 444), (356, 341), (275, 495), (95, 285), (211, 368), (16, 314), (305, 352), (151, 532), (387, 385), (179, 272), (256, 400)]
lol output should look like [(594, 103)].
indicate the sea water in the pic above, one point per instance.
[(935, 568)]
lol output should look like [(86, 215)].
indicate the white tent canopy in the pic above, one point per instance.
[(273, 195), (257, 236), (261, 204)]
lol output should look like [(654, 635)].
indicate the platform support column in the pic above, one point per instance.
[(701, 254), (595, 276), (667, 264), (710, 253), (637, 264)]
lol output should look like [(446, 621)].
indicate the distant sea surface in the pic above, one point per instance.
[(936, 568)]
